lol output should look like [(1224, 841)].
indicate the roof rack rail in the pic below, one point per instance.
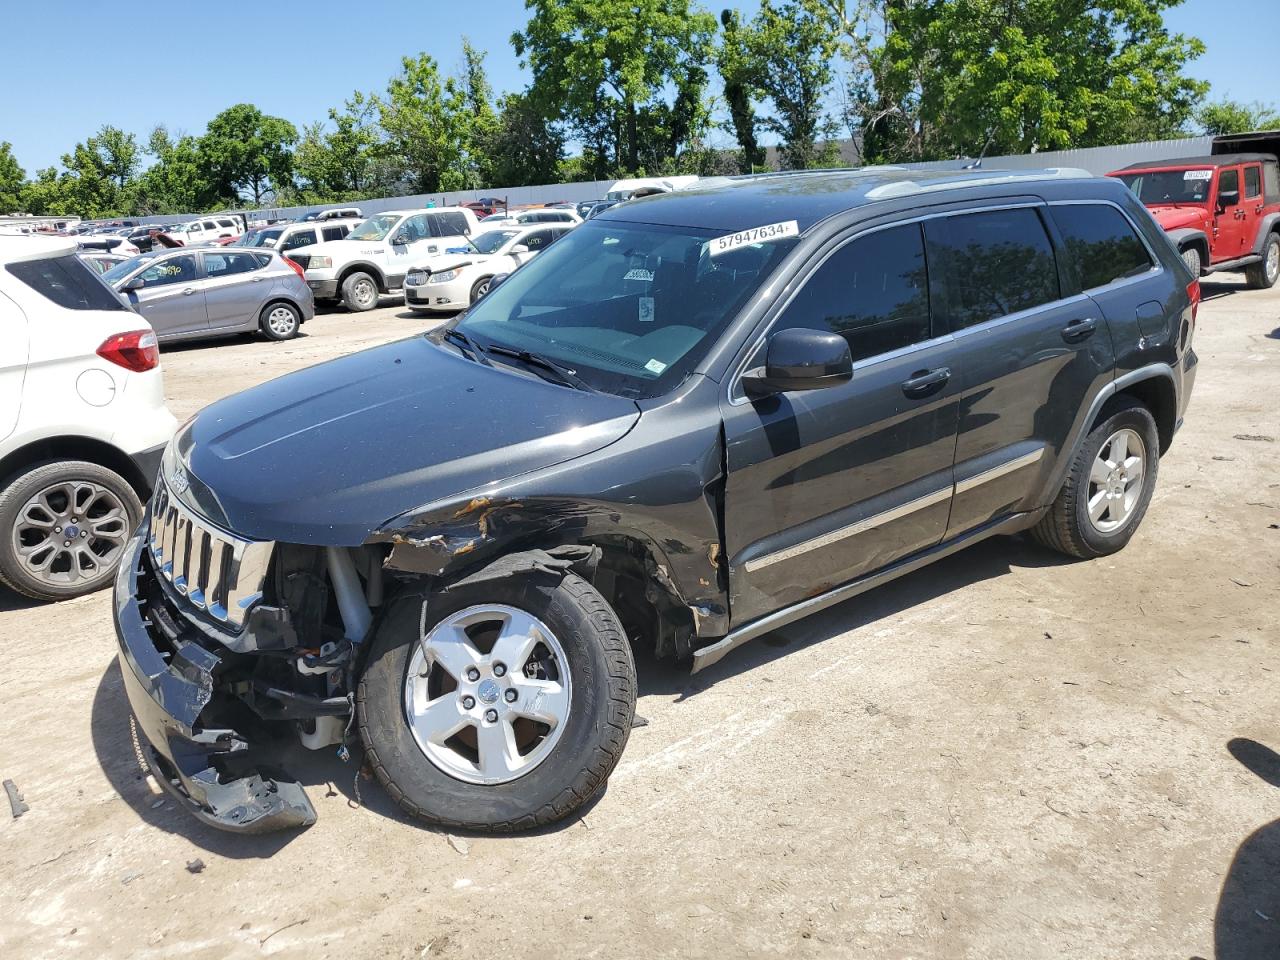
[(902, 188)]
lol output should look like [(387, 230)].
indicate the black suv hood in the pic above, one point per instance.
[(328, 454)]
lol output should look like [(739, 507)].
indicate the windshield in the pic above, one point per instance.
[(491, 240), (1154, 187), (631, 308), (122, 270), (375, 228), (260, 238)]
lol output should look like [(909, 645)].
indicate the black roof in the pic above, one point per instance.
[(1219, 160), (739, 203)]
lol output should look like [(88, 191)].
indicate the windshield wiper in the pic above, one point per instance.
[(453, 333), (565, 374)]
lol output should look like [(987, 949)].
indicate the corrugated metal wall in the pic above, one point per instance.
[(1097, 160)]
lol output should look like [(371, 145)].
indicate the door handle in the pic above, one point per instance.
[(258, 279), (924, 382), (1078, 330), (188, 291)]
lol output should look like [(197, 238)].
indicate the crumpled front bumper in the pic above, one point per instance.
[(171, 679)]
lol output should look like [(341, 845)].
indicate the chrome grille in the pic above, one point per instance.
[(216, 571)]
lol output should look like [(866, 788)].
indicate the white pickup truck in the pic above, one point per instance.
[(374, 258)]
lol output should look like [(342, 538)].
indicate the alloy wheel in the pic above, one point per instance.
[(1273, 262), (487, 693), (70, 532), (365, 292), (282, 321), (1116, 480)]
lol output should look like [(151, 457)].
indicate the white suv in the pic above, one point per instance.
[(206, 230), (374, 257), (82, 420)]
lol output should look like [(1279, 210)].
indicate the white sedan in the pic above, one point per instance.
[(454, 280)]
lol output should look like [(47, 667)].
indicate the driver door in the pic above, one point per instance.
[(418, 244), (172, 297), (826, 485), (1230, 222)]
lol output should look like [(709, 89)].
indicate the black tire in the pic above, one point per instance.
[(1191, 257), (1067, 528), (19, 492), (1265, 273), (595, 732), (273, 325), (480, 288), (354, 292)]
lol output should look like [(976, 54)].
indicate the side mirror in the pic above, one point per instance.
[(400, 239), (520, 248), (137, 283), (1228, 198), (800, 359)]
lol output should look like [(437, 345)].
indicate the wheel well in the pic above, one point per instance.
[(368, 268), (75, 448), (1157, 395), (634, 582), (274, 300), (1200, 246)]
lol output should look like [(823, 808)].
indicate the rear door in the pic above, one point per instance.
[(1251, 204), (236, 287), (826, 485), (172, 298), (1031, 358)]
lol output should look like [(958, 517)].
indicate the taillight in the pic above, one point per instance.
[(137, 350), (1193, 293), (297, 267)]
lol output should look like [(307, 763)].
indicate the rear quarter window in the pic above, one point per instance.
[(1101, 244), (451, 224), (67, 282)]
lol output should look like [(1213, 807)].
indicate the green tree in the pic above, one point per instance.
[(787, 52), (342, 163), (421, 119), (523, 149), (1226, 116), (244, 149), (733, 61), (624, 75), (175, 182), (120, 154), (12, 178), (479, 120), (1012, 76)]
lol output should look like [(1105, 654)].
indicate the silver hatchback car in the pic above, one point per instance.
[(216, 291)]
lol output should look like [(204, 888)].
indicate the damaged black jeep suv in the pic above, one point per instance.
[(695, 418)]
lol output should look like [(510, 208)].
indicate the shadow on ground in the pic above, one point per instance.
[(1247, 923)]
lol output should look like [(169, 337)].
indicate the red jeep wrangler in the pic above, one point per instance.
[(1221, 212)]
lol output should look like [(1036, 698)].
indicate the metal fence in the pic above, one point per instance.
[(1096, 160)]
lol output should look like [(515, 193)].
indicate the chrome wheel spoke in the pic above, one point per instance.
[(1100, 472), (440, 719), (499, 756), (515, 643), (453, 650), (542, 700), (1098, 505)]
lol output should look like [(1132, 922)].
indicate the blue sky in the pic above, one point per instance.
[(70, 66)]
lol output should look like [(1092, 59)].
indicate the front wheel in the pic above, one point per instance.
[(1108, 488), (1266, 272), (480, 288), (64, 527), (1191, 257), (497, 706)]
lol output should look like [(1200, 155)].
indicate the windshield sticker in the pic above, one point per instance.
[(646, 309), (639, 273), (745, 238), (1197, 175), (655, 366)]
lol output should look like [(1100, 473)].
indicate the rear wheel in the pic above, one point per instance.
[(279, 321), (64, 527), (360, 292), (1191, 257), (1266, 272), (504, 706), (1108, 488)]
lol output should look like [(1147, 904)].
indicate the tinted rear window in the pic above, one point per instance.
[(992, 264), (1101, 244), (450, 224), (67, 282)]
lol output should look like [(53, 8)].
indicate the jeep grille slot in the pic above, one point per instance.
[(216, 571)]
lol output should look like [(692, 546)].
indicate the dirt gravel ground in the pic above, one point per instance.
[(1003, 755)]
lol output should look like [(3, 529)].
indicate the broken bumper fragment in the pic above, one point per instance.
[(171, 676)]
